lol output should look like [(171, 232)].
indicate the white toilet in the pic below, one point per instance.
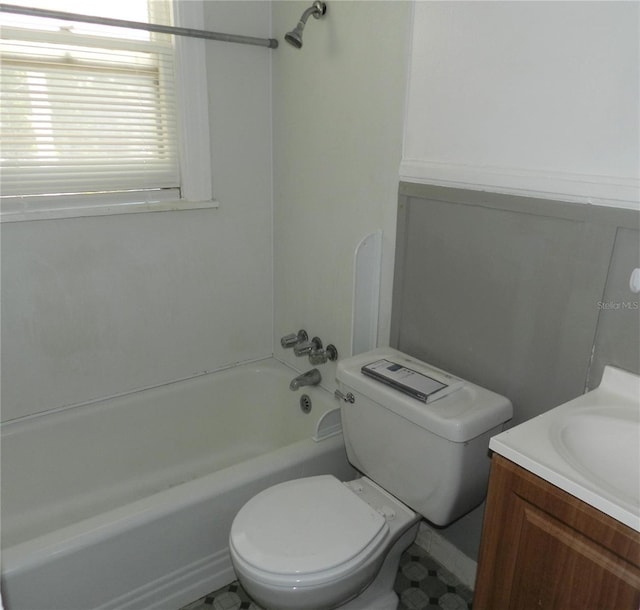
[(317, 543)]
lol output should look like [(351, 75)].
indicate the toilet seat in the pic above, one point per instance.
[(319, 530)]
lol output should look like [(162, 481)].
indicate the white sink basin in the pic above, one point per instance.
[(590, 446), (603, 443)]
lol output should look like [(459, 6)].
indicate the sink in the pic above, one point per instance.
[(603, 443), (589, 446)]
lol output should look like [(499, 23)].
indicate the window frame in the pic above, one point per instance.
[(194, 151)]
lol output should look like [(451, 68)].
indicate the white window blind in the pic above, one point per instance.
[(87, 108)]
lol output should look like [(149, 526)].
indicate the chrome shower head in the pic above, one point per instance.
[(294, 37)]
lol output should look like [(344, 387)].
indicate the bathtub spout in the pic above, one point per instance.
[(311, 377)]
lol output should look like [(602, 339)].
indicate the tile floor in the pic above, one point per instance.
[(421, 584)]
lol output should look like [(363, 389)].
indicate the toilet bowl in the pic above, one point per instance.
[(325, 542), (420, 437)]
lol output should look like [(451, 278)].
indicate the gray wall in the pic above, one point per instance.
[(527, 297)]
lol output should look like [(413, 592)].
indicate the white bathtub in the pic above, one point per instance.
[(127, 503)]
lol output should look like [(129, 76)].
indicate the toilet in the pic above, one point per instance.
[(419, 437)]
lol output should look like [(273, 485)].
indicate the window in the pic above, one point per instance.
[(90, 116)]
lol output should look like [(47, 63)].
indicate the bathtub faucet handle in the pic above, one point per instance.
[(293, 339), (306, 347), (320, 356)]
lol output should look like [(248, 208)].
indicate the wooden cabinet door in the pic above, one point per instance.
[(543, 549)]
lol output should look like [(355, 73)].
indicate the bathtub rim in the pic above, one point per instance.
[(16, 422)]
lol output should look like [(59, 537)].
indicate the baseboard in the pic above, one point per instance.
[(178, 588), (191, 582), (448, 555)]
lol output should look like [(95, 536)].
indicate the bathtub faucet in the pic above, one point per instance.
[(311, 377)]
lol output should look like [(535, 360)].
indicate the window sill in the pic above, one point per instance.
[(105, 209)]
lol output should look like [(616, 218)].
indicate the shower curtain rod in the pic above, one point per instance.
[(270, 43)]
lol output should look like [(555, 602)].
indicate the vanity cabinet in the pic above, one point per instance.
[(544, 549)]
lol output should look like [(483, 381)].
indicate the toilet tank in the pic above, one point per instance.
[(425, 439)]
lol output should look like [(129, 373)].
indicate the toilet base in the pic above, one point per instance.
[(386, 602), (379, 595)]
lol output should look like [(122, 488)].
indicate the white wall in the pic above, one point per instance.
[(338, 110), (538, 98), (93, 307)]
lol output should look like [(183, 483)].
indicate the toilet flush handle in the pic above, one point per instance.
[(348, 397)]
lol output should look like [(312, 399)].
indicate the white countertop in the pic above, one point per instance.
[(588, 447)]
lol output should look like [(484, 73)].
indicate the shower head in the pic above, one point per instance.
[(294, 37)]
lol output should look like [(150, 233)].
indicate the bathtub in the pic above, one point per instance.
[(127, 503)]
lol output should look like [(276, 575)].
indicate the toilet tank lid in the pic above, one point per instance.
[(460, 416)]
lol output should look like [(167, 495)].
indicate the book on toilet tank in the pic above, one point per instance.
[(422, 387)]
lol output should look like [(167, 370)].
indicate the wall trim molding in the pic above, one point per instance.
[(614, 191)]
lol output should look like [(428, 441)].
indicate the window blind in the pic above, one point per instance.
[(86, 109)]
